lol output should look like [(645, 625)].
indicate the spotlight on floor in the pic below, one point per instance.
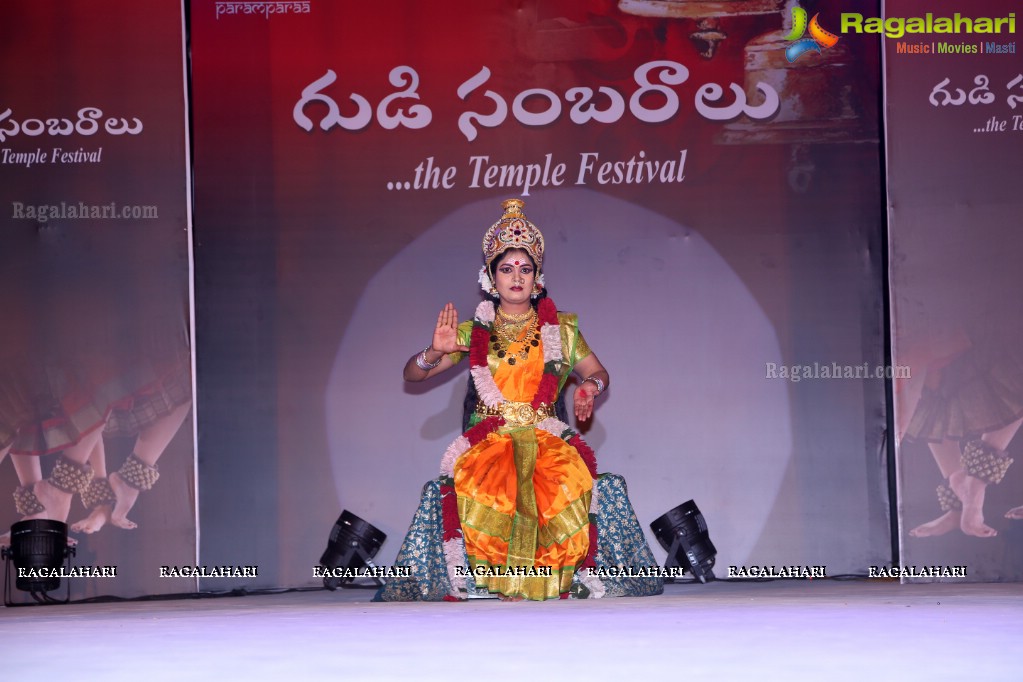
[(353, 544), (683, 532), (38, 549)]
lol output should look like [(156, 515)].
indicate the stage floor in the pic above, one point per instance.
[(812, 630)]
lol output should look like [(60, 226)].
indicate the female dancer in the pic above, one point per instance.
[(519, 502)]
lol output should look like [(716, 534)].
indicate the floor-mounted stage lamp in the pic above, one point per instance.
[(353, 544), (38, 550), (683, 533)]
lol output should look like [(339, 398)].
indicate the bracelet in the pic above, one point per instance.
[(597, 382), (425, 364)]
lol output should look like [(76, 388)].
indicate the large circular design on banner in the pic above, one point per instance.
[(690, 412)]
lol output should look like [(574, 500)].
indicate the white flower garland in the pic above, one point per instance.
[(487, 389), (485, 312), (457, 448), (550, 335)]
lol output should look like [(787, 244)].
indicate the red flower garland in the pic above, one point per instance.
[(547, 391), (452, 527), (483, 429), (577, 442), (478, 343), (547, 312)]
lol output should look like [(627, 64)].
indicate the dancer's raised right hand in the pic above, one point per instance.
[(445, 335)]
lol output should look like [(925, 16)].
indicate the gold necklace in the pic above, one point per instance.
[(511, 331), (505, 335), (515, 317)]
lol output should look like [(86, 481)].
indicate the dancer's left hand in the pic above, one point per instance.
[(583, 401)]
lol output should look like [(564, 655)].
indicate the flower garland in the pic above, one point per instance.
[(491, 396)]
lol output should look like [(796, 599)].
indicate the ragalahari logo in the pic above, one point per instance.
[(819, 38)]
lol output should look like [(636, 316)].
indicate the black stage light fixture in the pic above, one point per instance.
[(353, 544), (683, 533), (38, 549)]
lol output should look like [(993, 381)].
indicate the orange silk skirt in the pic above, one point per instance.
[(523, 501)]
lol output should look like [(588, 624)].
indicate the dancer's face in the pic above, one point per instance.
[(514, 277)]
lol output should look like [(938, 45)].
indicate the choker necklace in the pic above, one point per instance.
[(515, 317)]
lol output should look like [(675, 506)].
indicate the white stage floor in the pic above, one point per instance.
[(814, 630)]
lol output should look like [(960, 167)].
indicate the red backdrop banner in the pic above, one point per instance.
[(711, 209)]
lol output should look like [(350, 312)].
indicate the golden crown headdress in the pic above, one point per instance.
[(513, 231)]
